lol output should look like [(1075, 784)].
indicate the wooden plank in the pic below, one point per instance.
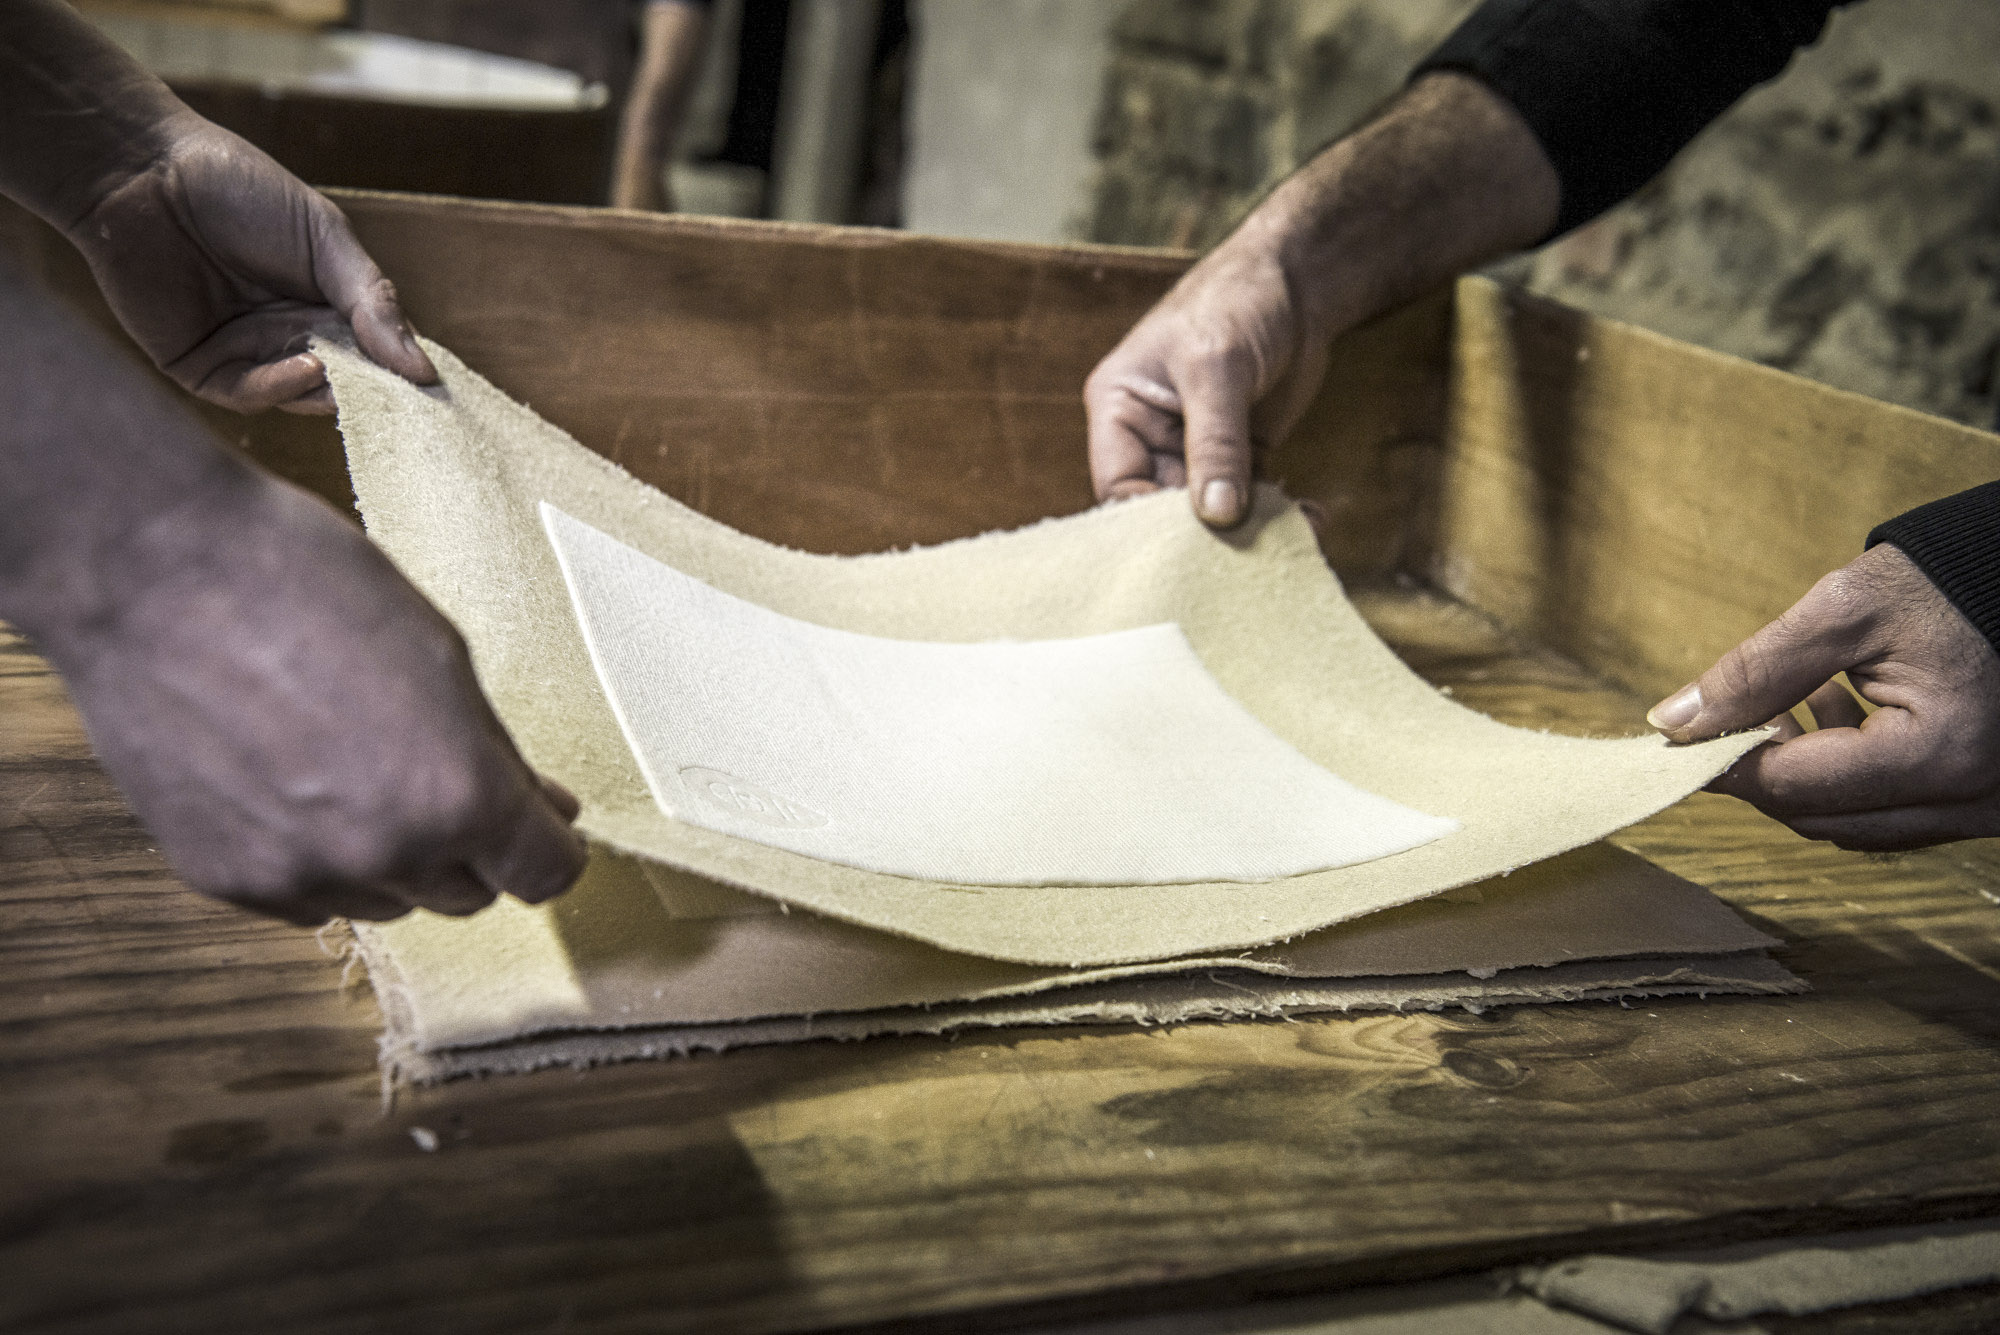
[(187, 1124), (846, 390), (836, 389), (189, 1127), (1643, 504)]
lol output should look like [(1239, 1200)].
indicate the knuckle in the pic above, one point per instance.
[(1103, 383), (1838, 593), (458, 906), (1845, 601), (1214, 354), (1743, 671), (455, 801)]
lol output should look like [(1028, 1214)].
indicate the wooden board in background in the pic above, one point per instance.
[(1642, 504)]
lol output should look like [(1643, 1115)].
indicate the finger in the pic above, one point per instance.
[(532, 853), (1824, 633), (1783, 729), (453, 891), (319, 403), (312, 907), (1834, 706), (251, 387), (365, 903), (1889, 761), (1895, 829), (561, 798), (357, 289), (1132, 421), (1216, 411)]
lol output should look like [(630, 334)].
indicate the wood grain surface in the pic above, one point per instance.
[(835, 389), (191, 1137), (1642, 504)]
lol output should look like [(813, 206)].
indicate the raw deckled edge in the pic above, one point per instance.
[(1750, 973), (401, 1036)]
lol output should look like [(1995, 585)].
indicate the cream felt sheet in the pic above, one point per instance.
[(450, 480), (612, 952), (1039, 762), (618, 969)]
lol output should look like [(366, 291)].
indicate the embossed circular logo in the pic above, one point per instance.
[(738, 798)]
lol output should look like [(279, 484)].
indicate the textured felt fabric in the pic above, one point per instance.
[(450, 479), (1008, 762), (1791, 1276), (637, 961), (1204, 995)]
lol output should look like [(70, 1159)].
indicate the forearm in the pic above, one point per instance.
[(92, 455), (672, 36), (77, 115), (1612, 89), (1447, 178)]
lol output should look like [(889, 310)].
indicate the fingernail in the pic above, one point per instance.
[(1221, 502), (1677, 710)]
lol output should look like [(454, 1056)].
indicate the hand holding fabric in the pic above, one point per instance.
[(217, 261), (1922, 768), (1223, 364), (1447, 177), (220, 264), (298, 728)]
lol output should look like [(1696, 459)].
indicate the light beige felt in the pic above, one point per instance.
[(1209, 994), (449, 480), (615, 955)]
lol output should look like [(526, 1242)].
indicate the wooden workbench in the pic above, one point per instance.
[(191, 1133), (190, 1121)]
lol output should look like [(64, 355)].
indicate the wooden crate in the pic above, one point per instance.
[(189, 1128)]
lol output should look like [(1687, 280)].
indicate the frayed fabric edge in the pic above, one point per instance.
[(1144, 1002)]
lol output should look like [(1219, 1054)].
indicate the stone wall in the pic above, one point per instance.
[(1208, 103), (1842, 222)]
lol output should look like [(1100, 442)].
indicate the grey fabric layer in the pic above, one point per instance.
[(1789, 1277)]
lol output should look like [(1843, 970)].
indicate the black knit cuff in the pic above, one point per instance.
[(1614, 88), (1956, 543)]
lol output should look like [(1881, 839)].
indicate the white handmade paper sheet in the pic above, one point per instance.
[(1111, 759)]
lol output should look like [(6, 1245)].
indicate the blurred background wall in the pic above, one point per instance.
[(1843, 222)]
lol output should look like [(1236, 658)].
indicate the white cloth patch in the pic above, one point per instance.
[(1110, 759)]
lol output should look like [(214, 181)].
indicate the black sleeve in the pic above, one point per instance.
[(1956, 543), (1614, 88)]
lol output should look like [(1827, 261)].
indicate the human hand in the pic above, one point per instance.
[(1923, 768), (220, 264), (298, 728), (1222, 366), (1447, 177)]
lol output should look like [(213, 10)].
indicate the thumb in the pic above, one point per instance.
[(1215, 411), (1823, 634), (365, 299)]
